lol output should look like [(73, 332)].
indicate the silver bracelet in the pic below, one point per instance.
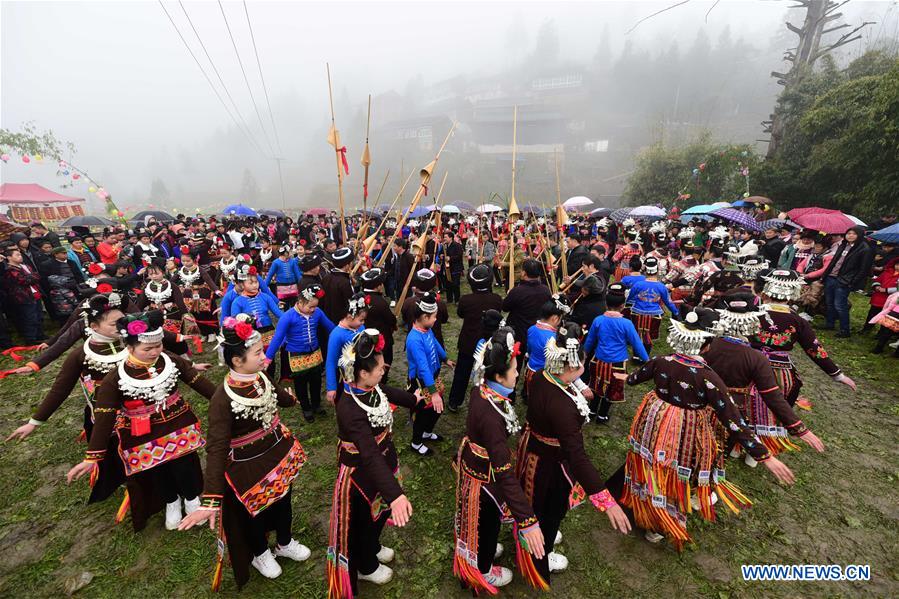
[(34, 422)]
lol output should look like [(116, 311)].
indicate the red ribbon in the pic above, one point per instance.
[(365, 190), (346, 166), (6, 373), (12, 352), (426, 188), (198, 345)]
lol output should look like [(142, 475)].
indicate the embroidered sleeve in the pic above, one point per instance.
[(210, 502), (96, 455), (797, 429), (603, 500)]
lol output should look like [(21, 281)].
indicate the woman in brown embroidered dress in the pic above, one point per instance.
[(486, 487), (251, 460), (159, 434)]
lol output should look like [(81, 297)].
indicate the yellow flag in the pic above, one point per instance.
[(334, 137)]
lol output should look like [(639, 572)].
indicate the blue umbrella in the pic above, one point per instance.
[(420, 211), (239, 210), (887, 235), (700, 209), (777, 223)]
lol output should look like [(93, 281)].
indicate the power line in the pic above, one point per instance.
[(262, 78), (221, 81), (208, 80), (246, 80), (268, 102)]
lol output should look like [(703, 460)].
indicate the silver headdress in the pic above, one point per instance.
[(783, 284)]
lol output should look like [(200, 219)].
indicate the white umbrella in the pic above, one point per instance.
[(857, 221), (722, 204), (450, 209), (487, 208), (577, 201), (647, 211)]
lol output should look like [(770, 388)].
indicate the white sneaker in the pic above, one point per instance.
[(173, 514), (386, 555), (293, 550), (191, 505), (750, 461), (210, 337), (694, 501), (499, 551), (735, 452), (557, 562), (382, 575), (498, 576), (392, 304), (558, 537), (895, 344), (653, 537), (267, 565), (807, 316)]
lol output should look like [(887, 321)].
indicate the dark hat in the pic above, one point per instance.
[(701, 319), (371, 278), (490, 321), (739, 302), (651, 265), (311, 291), (424, 279), (782, 283), (616, 294), (341, 257), (310, 261), (427, 303), (480, 277)]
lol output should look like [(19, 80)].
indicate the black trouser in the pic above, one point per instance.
[(872, 312), (5, 340), (388, 358), (464, 366), (423, 419), (176, 478), (277, 517), (390, 288), (488, 531), (364, 537), (883, 337), (308, 387), (453, 287), (29, 320), (550, 516)]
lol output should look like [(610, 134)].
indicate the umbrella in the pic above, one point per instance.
[(382, 208), (488, 208), (758, 200), (722, 204), (738, 218), (420, 211), (601, 212), (778, 223), (239, 210), (87, 221), (699, 209), (620, 214), (856, 220), (688, 217), (159, 215), (577, 201), (797, 212), (270, 212), (887, 235), (465, 206), (647, 212), (317, 212), (832, 222), (450, 209)]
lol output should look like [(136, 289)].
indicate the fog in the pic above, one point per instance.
[(115, 79)]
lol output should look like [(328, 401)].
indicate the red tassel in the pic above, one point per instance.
[(198, 345), (12, 352), (365, 190), (123, 508), (95, 474), (346, 166)]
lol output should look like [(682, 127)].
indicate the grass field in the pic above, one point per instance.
[(842, 510)]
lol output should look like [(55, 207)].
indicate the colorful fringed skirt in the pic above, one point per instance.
[(675, 458), (647, 326), (785, 373), (607, 380), (761, 420)]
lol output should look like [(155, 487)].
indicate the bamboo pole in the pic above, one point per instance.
[(574, 277), (440, 213), (365, 224), (334, 139), (366, 157), (512, 200), (560, 215), (422, 241)]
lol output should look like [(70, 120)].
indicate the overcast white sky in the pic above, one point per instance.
[(115, 79)]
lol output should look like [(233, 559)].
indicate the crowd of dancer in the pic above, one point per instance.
[(293, 307)]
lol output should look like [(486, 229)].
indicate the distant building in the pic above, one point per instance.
[(32, 202)]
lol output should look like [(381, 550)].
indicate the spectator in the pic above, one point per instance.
[(39, 231), (772, 246), (109, 248), (847, 271), (22, 285), (883, 223)]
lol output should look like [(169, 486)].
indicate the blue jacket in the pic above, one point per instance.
[(298, 332), (538, 336), (230, 295), (645, 298), (287, 272), (260, 305), (609, 337), (629, 280), (338, 338), (425, 355)]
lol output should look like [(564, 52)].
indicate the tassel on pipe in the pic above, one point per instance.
[(366, 157), (400, 221), (339, 154), (365, 223), (419, 245), (438, 211)]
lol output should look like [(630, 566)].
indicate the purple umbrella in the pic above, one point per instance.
[(738, 218), (465, 206)]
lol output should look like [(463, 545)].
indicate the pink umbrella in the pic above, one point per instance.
[(317, 212), (832, 222)]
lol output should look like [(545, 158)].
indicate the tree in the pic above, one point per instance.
[(159, 193), (854, 135), (705, 171), (249, 189), (546, 50), (30, 141)]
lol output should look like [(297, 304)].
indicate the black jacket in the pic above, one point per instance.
[(856, 267), (523, 304), (470, 309), (588, 308)]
